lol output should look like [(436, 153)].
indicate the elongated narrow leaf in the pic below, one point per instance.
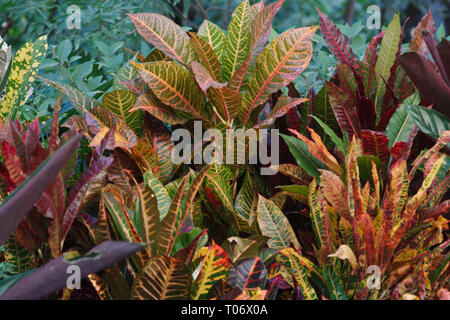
[(275, 225), (163, 278), (319, 151), (338, 143), (368, 64), (218, 180), (53, 276), (417, 44), (162, 196), (79, 100), (303, 156), (168, 227), (334, 284), (173, 85), (165, 35), (22, 200), (375, 143), (283, 105), (80, 191), (261, 27), (294, 51), (338, 44), (150, 103), (388, 53), (431, 85), (246, 202), (344, 111), (148, 214), (236, 45)]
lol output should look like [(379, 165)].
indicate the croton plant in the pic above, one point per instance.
[(356, 211)]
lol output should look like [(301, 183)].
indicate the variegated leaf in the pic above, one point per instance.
[(23, 72), (165, 35), (120, 103), (150, 103), (293, 52), (275, 225), (214, 266), (283, 105), (214, 35), (207, 56), (292, 260), (173, 85), (236, 44), (163, 278)]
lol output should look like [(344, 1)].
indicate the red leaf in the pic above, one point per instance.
[(338, 44), (375, 143)]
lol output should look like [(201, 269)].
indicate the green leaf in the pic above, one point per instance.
[(388, 52), (274, 224), (292, 260), (303, 157), (237, 43), (219, 180), (214, 266), (63, 50), (400, 126), (334, 284), (149, 102), (429, 121), (331, 133), (170, 225)]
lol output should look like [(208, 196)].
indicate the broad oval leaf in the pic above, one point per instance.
[(249, 274), (165, 35), (120, 103), (275, 225)]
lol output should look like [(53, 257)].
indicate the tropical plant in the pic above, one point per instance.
[(26, 282), (365, 218)]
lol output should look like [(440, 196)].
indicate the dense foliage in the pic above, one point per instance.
[(362, 187)]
